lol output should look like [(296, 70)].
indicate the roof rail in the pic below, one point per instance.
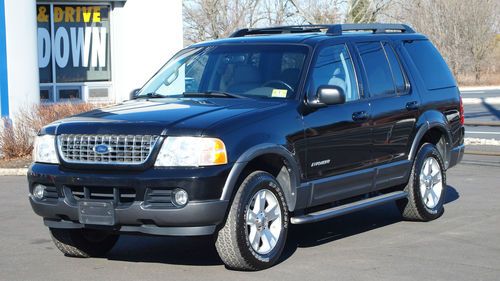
[(337, 29), (280, 30), (331, 29)]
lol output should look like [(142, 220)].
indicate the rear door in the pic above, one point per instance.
[(394, 105)]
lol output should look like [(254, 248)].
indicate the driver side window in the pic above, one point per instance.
[(334, 67)]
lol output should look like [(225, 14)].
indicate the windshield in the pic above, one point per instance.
[(268, 71)]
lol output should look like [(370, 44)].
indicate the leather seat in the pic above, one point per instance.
[(245, 78)]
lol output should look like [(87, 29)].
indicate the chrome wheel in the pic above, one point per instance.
[(431, 184), (264, 221)]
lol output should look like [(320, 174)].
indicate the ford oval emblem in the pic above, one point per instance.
[(102, 149)]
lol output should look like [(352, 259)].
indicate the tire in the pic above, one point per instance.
[(417, 207), (83, 243), (245, 223)]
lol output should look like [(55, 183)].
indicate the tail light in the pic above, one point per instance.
[(462, 117)]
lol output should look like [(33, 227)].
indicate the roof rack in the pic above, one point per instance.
[(280, 30), (331, 29), (338, 29)]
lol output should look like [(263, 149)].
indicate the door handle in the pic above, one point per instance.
[(360, 116), (412, 105)]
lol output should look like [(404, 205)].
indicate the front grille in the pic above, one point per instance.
[(117, 149), (119, 195)]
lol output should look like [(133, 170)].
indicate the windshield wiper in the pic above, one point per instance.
[(152, 95), (215, 94)]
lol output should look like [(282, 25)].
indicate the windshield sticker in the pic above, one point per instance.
[(279, 93)]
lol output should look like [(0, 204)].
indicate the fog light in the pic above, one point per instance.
[(180, 197), (38, 191)]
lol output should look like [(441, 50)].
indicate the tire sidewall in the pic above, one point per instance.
[(426, 151), (258, 182)]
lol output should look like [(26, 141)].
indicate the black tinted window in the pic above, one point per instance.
[(377, 69), (399, 79), (430, 64)]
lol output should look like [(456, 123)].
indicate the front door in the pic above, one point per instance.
[(338, 136)]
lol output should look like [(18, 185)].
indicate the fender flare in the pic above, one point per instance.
[(426, 126), (259, 150)]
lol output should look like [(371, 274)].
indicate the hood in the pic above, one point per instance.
[(159, 116)]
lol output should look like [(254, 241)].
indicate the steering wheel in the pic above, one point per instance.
[(278, 82)]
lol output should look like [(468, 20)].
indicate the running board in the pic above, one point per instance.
[(348, 208)]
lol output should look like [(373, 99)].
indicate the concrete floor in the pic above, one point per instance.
[(373, 244)]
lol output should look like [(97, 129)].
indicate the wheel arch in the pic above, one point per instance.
[(271, 158), (434, 129)]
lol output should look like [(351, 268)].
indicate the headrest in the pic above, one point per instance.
[(246, 74)]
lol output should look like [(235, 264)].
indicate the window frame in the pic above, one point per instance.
[(50, 90), (83, 84), (365, 73), (59, 88), (86, 93), (407, 85)]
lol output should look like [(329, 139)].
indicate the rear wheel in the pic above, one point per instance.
[(255, 231), (83, 243), (426, 187)]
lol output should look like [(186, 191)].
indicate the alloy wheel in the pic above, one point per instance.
[(264, 221), (431, 184)]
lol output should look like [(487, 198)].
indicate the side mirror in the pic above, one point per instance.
[(133, 94), (328, 95)]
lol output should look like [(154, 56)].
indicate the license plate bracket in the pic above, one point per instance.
[(96, 212)]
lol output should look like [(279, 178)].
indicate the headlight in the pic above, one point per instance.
[(191, 151), (44, 150)]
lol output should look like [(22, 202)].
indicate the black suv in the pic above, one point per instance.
[(241, 137)]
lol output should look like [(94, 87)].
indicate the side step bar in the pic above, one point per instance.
[(348, 208)]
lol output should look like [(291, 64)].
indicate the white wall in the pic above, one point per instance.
[(144, 35), (22, 60)]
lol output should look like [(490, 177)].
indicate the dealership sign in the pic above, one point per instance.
[(79, 46)]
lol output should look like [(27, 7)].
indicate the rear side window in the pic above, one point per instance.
[(399, 79), (378, 72), (431, 66)]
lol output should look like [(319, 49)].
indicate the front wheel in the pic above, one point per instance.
[(255, 231), (426, 187), (83, 243)]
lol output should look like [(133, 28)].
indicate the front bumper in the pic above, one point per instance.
[(200, 216), (192, 220)]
